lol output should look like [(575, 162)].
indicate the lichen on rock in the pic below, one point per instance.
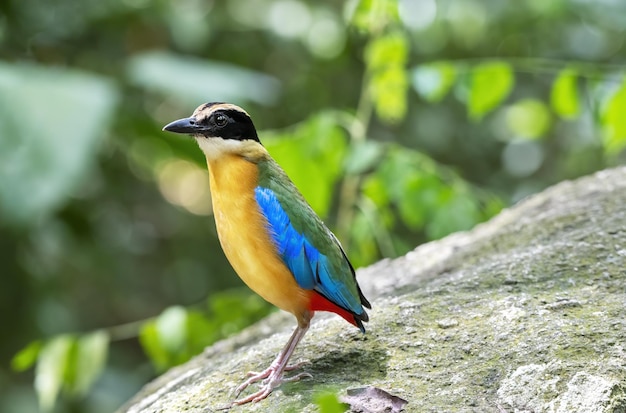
[(525, 313)]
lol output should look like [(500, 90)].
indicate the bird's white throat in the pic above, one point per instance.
[(214, 148)]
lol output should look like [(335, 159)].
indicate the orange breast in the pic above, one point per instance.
[(243, 235)]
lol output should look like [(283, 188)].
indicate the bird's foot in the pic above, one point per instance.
[(256, 376), (272, 377)]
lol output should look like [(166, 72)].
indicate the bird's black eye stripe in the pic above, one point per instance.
[(225, 123)]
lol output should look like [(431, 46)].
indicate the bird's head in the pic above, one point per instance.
[(217, 127)]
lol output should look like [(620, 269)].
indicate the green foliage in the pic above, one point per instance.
[(327, 402), (179, 333), (386, 58), (528, 118), (434, 80), (50, 373), (426, 195), (26, 357), (48, 146), (164, 347), (614, 121), (312, 154), (490, 84), (65, 362), (363, 156), (372, 16), (82, 172), (87, 361), (74, 362), (564, 95)]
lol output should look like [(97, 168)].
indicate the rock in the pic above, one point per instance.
[(525, 313)]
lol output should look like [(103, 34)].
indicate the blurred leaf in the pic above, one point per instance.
[(201, 332), (312, 154), (166, 339), (490, 85), (196, 80), (328, 402), (373, 15), (51, 125), (391, 49), (90, 359), (614, 120), (171, 327), (457, 211), (419, 198), (528, 118), (491, 205), (400, 164), (365, 250), (26, 357), (389, 90), (363, 156), (434, 80), (362, 15), (428, 197), (564, 95), (149, 339), (385, 59), (235, 309), (374, 188), (178, 333), (51, 370), (374, 224)]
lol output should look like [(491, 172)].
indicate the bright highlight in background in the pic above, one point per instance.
[(185, 184), (522, 158), (417, 15), (289, 18)]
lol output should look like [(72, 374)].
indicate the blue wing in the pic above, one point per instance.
[(311, 269)]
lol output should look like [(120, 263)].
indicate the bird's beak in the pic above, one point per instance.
[(185, 125)]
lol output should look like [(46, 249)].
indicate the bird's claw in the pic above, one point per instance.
[(271, 379), (289, 379), (297, 377), (298, 365), (254, 376)]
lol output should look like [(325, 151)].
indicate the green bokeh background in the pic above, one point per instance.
[(105, 219)]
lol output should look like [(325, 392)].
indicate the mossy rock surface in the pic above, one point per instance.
[(525, 313)]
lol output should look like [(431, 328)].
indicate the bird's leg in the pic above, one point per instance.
[(273, 376)]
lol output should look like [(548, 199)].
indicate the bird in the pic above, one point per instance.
[(270, 235)]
